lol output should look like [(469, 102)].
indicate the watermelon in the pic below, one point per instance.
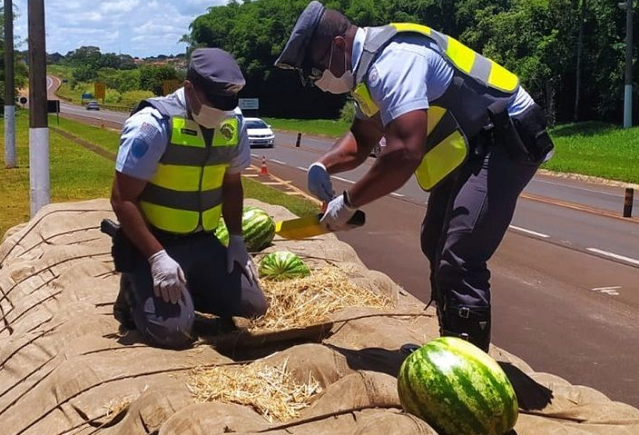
[(222, 233), (282, 265), (258, 229), (457, 388)]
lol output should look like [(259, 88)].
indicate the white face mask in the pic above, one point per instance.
[(209, 117), (335, 85)]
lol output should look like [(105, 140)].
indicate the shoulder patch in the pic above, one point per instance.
[(148, 131), (227, 130), (139, 148)]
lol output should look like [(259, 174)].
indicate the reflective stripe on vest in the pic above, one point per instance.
[(449, 152), (447, 145), (185, 193), (465, 59)]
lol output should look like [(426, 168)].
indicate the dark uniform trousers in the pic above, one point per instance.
[(210, 290), (466, 219)]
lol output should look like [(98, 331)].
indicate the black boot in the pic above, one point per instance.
[(471, 324), (123, 306)]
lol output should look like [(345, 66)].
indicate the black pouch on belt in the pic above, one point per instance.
[(524, 136), (505, 133), (531, 126), (122, 250)]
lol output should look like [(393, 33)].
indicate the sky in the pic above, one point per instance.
[(136, 27)]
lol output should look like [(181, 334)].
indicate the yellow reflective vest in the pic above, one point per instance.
[(456, 116), (185, 193)]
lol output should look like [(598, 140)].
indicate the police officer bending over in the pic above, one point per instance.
[(178, 169), (461, 123)]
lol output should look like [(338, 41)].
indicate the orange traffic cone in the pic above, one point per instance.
[(263, 170)]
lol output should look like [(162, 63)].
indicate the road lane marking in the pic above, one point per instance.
[(278, 161), (302, 169), (613, 255), (532, 233), (399, 195), (344, 180)]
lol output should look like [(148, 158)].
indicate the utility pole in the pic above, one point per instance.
[(627, 100), (9, 89), (38, 123), (580, 49)]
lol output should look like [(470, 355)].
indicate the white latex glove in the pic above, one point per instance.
[(169, 282), (236, 253), (319, 182), (337, 214)]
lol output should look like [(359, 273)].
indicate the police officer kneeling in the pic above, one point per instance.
[(178, 170)]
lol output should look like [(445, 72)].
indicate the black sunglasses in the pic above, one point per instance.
[(309, 76)]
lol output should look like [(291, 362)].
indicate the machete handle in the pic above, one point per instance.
[(107, 226), (357, 220)]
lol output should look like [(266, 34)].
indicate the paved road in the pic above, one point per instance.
[(565, 279)]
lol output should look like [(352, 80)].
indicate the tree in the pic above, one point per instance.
[(85, 55), (85, 73), (539, 40), (152, 77)]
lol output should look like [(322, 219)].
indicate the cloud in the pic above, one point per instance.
[(136, 27)]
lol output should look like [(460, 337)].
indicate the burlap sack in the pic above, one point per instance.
[(66, 369)]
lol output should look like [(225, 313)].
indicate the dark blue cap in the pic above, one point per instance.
[(296, 49), (216, 73)]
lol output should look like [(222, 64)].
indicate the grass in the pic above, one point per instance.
[(75, 174), (596, 149), (64, 72), (107, 139), (78, 174), (65, 91), (319, 127)]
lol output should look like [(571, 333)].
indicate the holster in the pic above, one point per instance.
[(524, 136), (122, 250)]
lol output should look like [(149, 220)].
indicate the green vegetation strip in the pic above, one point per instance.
[(596, 149), (318, 127), (78, 173)]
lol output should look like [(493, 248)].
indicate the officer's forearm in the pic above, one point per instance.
[(405, 139), (344, 155), (233, 200), (135, 228), (390, 171)]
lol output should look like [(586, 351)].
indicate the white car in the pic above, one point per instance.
[(259, 133)]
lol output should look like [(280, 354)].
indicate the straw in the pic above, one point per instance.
[(307, 301), (115, 406), (271, 391)]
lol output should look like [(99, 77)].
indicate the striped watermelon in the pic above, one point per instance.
[(258, 229), (282, 265), (458, 389)]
